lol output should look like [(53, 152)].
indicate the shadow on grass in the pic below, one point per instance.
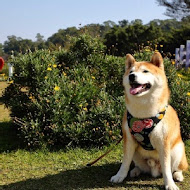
[(85, 178), (9, 140)]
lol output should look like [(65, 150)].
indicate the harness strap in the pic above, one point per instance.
[(141, 128)]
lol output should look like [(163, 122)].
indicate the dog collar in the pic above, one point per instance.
[(141, 128)]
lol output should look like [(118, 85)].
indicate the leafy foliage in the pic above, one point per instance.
[(131, 37), (17, 45), (61, 99), (176, 8), (118, 38), (75, 97)]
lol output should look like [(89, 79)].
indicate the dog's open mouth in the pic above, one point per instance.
[(137, 88)]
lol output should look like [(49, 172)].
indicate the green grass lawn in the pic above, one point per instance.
[(65, 169)]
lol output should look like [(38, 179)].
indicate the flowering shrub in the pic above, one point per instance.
[(180, 99), (66, 98), (75, 97)]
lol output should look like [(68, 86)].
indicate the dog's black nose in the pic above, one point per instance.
[(131, 77)]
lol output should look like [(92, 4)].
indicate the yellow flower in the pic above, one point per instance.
[(11, 82), (188, 93), (57, 88), (85, 109), (179, 75), (31, 97), (45, 77), (98, 102), (65, 74), (80, 105), (93, 77), (54, 65), (173, 62), (161, 45), (49, 68)]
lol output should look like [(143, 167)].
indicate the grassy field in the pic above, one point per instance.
[(64, 169)]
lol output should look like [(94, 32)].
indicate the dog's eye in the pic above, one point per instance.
[(145, 71), (130, 71)]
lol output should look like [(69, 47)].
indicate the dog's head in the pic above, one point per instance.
[(142, 78)]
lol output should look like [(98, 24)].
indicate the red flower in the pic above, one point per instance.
[(1, 63), (148, 123), (138, 126)]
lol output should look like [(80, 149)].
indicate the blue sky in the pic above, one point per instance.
[(26, 18)]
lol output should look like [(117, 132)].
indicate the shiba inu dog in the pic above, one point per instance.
[(151, 128)]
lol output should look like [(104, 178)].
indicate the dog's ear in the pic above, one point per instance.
[(129, 61), (157, 60)]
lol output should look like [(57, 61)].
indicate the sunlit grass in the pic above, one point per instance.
[(66, 169)]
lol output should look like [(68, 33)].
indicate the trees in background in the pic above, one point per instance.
[(1, 49), (61, 37), (124, 37), (130, 37), (16, 45), (177, 37), (176, 8)]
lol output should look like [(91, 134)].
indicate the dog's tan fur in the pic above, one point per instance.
[(169, 157)]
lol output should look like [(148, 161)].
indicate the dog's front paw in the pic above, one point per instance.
[(171, 186), (117, 178)]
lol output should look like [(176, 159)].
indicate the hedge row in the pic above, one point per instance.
[(75, 97)]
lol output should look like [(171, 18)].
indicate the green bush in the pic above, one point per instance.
[(61, 98), (180, 97), (75, 97)]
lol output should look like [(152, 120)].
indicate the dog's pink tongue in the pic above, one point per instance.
[(134, 91)]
